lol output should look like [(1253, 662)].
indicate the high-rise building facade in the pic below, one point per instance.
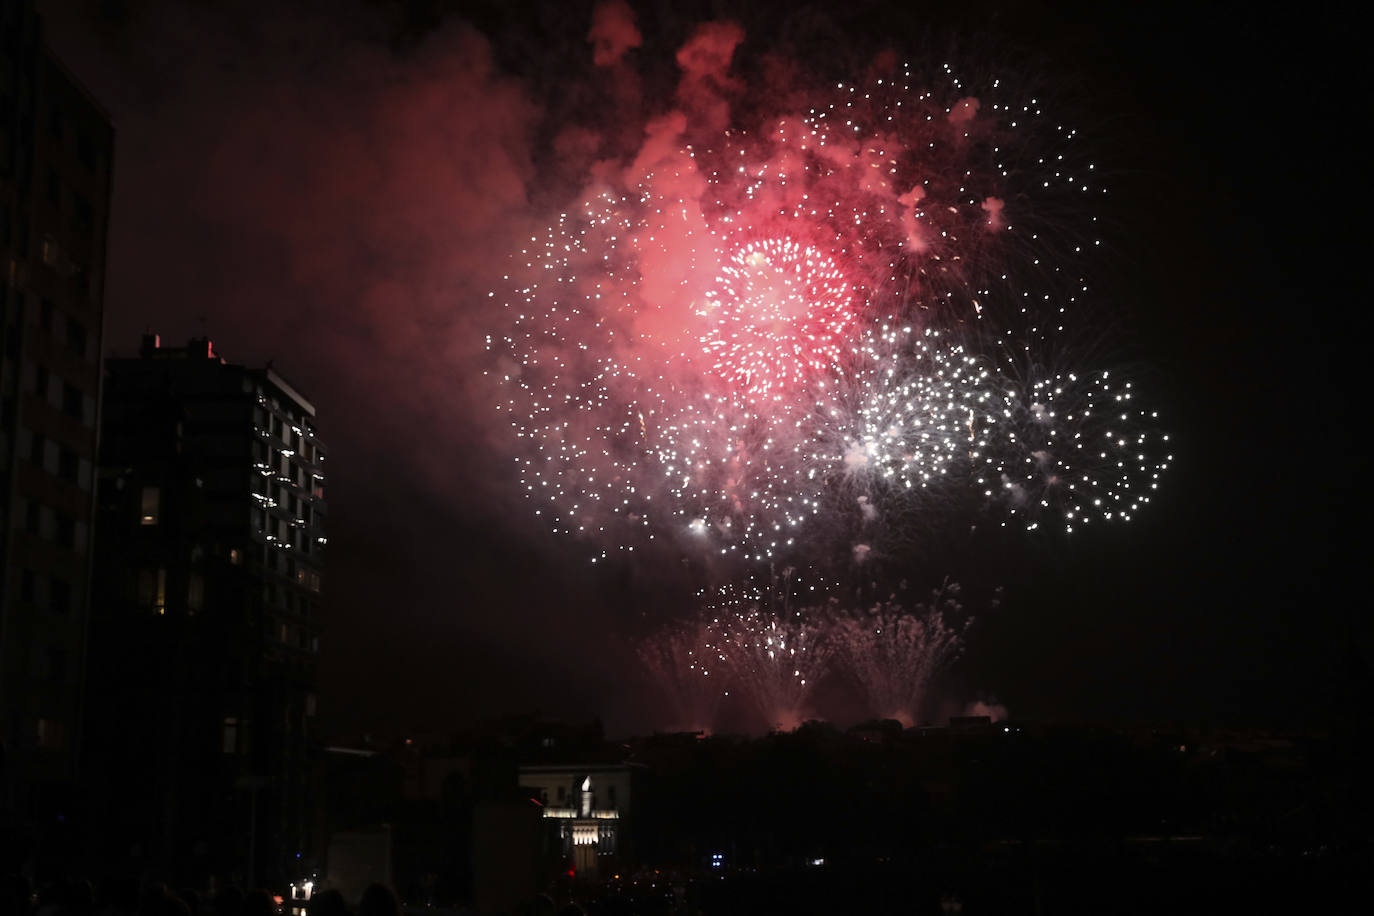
[(205, 628), (56, 148)]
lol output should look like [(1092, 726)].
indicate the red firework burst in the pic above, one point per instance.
[(780, 314)]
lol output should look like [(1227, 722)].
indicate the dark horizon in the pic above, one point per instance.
[(329, 188)]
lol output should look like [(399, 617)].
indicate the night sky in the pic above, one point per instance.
[(336, 186)]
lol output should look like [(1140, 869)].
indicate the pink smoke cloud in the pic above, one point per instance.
[(993, 710), (706, 84), (993, 208), (964, 111), (613, 32)]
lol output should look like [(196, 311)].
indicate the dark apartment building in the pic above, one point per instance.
[(205, 625), (55, 160)]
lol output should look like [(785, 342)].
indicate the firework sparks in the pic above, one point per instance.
[(780, 316), (754, 332), (894, 651), (1075, 449), (685, 662), (776, 653), (777, 660)]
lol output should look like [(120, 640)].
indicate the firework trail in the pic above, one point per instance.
[(777, 660), (684, 661), (775, 652), (894, 651)]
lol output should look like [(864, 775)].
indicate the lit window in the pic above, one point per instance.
[(150, 504), (152, 589), (233, 556)]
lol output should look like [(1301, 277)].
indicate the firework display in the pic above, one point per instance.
[(765, 644), (1077, 449), (816, 334), (893, 651), (687, 664), (775, 651), (810, 327)]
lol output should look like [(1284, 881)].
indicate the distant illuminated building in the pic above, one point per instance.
[(587, 811), (205, 631)]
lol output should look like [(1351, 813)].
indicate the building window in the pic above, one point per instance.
[(234, 556), (81, 279), (73, 401), (56, 665), (60, 595), (195, 592), (231, 735), (85, 150), (50, 252), (50, 734), (152, 589), (69, 466), (76, 337), (66, 530), (150, 505), (83, 217)]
